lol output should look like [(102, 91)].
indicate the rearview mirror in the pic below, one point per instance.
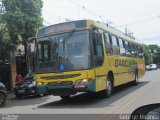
[(146, 112)]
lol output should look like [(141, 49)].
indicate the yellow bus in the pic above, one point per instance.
[(85, 56)]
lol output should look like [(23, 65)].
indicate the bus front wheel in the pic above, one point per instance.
[(107, 92)]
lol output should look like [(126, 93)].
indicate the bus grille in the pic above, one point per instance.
[(60, 76), (61, 83)]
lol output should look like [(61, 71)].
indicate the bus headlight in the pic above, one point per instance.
[(40, 83), (87, 80)]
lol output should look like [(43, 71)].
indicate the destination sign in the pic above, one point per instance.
[(68, 26)]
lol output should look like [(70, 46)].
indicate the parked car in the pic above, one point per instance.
[(147, 67), (3, 95), (153, 67), (28, 87)]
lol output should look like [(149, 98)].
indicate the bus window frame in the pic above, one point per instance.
[(90, 42), (140, 51), (122, 46), (115, 48), (105, 43), (92, 45), (136, 50), (126, 47)]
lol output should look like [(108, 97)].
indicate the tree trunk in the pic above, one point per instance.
[(26, 56)]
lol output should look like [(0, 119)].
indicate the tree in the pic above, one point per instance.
[(23, 18), (147, 55), (6, 46), (155, 50)]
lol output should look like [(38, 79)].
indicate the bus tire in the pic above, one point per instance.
[(107, 92), (65, 98), (135, 82)]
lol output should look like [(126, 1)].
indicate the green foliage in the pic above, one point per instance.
[(147, 55), (23, 17), (18, 17), (6, 45), (155, 50), (151, 54)]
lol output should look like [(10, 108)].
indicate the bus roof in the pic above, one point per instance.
[(68, 26), (113, 31)]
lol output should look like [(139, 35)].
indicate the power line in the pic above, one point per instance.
[(107, 21), (147, 19), (86, 9), (121, 13)]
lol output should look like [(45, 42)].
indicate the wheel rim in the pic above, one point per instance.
[(109, 86)]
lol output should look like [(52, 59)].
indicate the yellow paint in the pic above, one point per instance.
[(83, 75), (121, 73)]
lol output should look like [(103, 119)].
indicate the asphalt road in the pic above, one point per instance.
[(125, 100)]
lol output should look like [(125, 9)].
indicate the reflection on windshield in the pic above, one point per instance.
[(63, 52)]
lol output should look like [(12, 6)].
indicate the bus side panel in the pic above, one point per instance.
[(100, 81), (123, 69), (120, 72)]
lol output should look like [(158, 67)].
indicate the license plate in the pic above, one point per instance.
[(21, 91)]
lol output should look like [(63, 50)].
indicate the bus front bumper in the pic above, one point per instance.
[(71, 89)]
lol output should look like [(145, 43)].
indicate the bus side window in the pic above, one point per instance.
[(136, 50), (98, 49), (115, 46), (127, 48), (140, 52), (122, 49), (132, 50), (108, 44), (40, 57)]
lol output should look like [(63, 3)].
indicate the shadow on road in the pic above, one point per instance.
[(92, 100), (25, 101)]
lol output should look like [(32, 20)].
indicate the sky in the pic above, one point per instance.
[(140, 17)]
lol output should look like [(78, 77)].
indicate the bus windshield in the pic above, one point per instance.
[(63, 52)]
